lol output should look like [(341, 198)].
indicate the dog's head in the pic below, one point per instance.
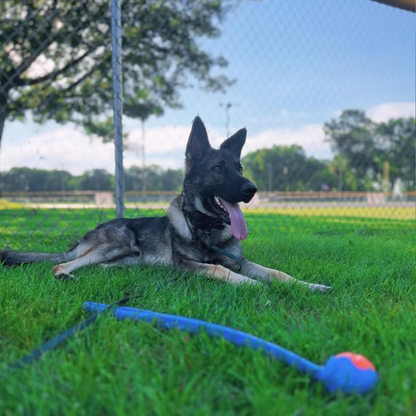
[(215, 176)]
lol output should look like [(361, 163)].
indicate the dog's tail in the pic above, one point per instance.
[(14, 258)]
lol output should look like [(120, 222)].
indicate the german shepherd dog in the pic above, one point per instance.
[(201, 231)]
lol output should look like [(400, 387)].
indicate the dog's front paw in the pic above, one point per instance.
[(59, 273), (318, 288)]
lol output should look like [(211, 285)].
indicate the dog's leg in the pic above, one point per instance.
[(264, 273), (95, 256), (216, 271), (124, 261)]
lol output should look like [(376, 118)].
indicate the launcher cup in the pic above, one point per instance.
[(349, 373)]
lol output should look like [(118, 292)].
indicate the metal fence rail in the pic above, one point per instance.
[(110, 67), (98, 199), (28, 218)]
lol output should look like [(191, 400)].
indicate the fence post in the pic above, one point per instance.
[(117, 103)]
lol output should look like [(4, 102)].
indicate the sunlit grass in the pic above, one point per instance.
[(5, 204), (387, 212), (126, 368)]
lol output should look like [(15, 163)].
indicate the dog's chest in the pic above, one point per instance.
[(211, 249)]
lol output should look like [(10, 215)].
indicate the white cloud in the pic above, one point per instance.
[(162, 143), (70, 149), (164, 146), (309, 136), (386, 111), (160, 140), (62, 148), (168, 139)]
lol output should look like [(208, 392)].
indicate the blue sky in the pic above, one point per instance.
[(296, 63)]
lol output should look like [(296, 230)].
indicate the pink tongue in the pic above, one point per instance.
[(238, 223)]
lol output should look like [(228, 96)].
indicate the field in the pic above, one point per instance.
[(126, 368)]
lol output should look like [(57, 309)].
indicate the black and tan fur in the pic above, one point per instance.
[(196, 221)]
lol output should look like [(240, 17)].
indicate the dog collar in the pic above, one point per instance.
[(204, 222)]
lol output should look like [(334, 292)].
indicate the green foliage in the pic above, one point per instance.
[(362, 149), (26, 179), (396, 145), (363, 146), (152, 178), (286, 168), (352, 136), (97, 180), (55, 58)]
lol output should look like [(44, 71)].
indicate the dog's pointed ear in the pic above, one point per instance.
[(198, 142), (235, 143)]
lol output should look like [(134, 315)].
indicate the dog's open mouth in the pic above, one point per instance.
[(238, 223)]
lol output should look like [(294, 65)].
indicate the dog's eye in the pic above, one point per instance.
[(218, 168), (240, 168)]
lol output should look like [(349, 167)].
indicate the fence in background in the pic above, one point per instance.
[(35, 218), (156, 199), (39, 42)]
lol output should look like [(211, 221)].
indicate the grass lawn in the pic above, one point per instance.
[(126, 368)]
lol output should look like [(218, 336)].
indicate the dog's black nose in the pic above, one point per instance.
[(248, 189)]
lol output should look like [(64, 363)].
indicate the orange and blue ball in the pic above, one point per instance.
[(348, 373)]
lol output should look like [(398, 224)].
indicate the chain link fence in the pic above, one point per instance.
[(325, 89)]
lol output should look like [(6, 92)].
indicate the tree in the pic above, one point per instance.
[(172, 180), (58, 180), (155, 178), (352, 136), (339, 168), (286, 168), (362, 147), (96, 180), (55, 58), (32, 180), (136, 177), (396, 141), (40, 180)]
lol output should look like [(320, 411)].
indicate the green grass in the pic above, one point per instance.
[(126, 368)]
